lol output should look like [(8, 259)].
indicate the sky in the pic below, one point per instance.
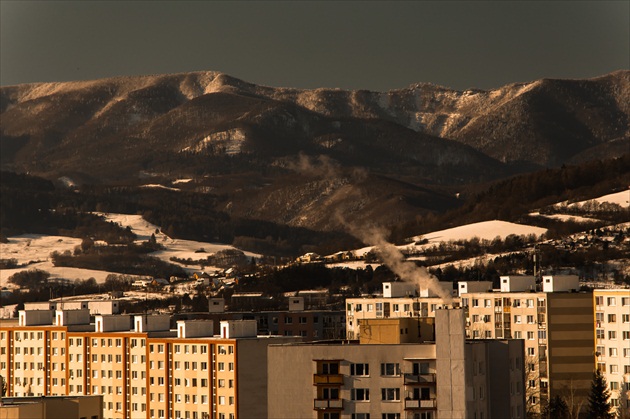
[(373, 45)]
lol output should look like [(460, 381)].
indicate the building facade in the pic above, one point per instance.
[(438, 376), (612, 339), (399, 300), (141, 367)]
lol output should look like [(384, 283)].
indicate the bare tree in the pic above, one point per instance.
[(575, 402)]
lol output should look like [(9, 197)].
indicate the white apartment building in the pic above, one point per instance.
[(612, 339), (399, 300)]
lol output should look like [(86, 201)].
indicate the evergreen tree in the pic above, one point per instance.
[(556, 409), (598, 398)]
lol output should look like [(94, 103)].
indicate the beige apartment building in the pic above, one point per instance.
[(399, 300), (555, 326), (139, 365), (612, 339), (391, 373)]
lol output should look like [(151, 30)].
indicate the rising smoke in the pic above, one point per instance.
[(328, 169), (395, 260)]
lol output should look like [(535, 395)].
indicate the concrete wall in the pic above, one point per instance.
[(397, 330), (232, 329), (35, 317), (559, 283), (112, 323), (195, 328), (465, 287), (216, 305), (571, 343), (399, 289), (72, 317), (291, 370), (450, 363), (516, 283), (151, 323)]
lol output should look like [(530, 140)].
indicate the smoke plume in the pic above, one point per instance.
[(395, 260)]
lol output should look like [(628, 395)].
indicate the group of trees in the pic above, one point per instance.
[(597, 406)]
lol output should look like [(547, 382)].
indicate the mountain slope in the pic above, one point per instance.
[(302, 156)]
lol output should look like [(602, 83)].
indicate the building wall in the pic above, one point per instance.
[(358, 309), (434, 379), (570, 343), (612, 340), (140, 375)]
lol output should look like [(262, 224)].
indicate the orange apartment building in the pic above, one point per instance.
[(141, 367)]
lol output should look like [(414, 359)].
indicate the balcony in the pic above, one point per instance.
[(328, 404), (411, 404), (319, 379), (411, 379)]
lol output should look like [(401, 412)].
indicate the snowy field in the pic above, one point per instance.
[(565, 217), (486, 230), (35, 250), (620, 198)]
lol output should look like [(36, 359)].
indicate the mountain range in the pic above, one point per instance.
[(308, 158)]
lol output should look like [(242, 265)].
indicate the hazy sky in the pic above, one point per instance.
[(352, 45)]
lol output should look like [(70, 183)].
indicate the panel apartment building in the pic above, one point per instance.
[(612, 339), (391, 373), (556, 325), (399, 300), (141, 367)]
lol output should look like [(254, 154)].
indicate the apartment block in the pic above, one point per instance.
[(556, 328), (139, 365), (384, 375), (612, 338), (399, 300)]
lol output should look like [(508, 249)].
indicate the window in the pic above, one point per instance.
[(517, 319), (626, 335), (390, 416), (531, 351), (625, 301), (625, 318), (475, 302), (360, 369), (611, 301), (360, 394), (612, 318), (390, 369), (614, 369), (626, 352), (330, 393), (530, 319), (518, 334), (612, 334), (331, 368), (530, 335), (390, 394), (612, 352), (221, 366)]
